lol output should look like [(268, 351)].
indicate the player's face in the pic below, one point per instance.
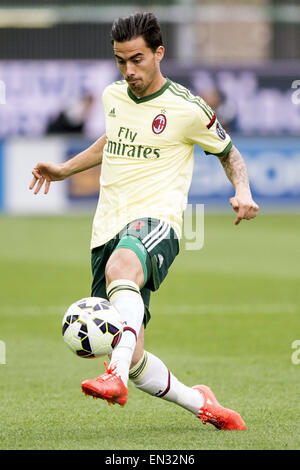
[(139, 65)]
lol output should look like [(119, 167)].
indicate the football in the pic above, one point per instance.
[(92, 327)]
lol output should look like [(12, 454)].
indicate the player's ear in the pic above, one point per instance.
[(159, 53)]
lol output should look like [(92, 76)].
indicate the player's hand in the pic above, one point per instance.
[(244, 206), (45, 173)]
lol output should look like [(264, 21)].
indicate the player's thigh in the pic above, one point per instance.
[(124, 264)]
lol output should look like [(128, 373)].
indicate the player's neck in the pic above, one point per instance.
[(154, 86)]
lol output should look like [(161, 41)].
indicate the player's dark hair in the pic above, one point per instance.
[(139, 24)]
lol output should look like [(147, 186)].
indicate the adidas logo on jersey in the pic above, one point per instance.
[(112, 113)]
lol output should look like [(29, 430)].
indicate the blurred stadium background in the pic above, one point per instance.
[(240, 293), (241, 56)]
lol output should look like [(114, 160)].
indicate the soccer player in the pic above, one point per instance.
[(146, 155)]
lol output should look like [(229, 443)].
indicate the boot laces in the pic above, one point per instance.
[(208, 417), (110, 373), (111, 370)]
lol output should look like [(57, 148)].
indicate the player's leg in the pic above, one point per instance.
[(124, 277), (152, 376), (124, 274), (127, 269), (149, 374)]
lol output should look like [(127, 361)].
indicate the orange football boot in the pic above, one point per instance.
[(108, 386), (212, 412)]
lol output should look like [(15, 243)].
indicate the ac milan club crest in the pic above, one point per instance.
[(159, 123)]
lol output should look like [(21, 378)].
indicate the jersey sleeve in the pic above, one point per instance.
[(205, 130)]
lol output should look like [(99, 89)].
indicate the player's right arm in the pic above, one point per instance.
[(46, 172), (206, 131)]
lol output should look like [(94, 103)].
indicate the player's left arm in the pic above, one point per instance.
[(236, 171)]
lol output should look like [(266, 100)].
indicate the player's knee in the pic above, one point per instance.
[(112, 271), (124, 264)]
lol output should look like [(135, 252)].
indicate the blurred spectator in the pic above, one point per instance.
[(224, 108), (72, 119)]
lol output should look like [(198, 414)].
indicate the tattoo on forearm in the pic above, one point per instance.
[(235, 168)]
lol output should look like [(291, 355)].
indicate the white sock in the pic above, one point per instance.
[(152, 376), (125, 297)]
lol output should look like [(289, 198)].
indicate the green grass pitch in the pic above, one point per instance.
[(226, 316)]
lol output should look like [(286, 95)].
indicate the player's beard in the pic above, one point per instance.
[(140, 86), (137, 87)]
